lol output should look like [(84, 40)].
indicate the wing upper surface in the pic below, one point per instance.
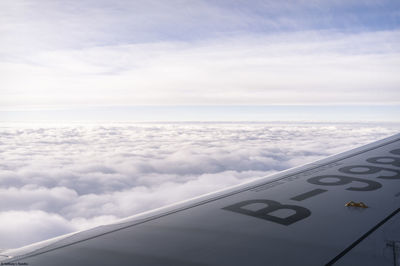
[(294, 217)]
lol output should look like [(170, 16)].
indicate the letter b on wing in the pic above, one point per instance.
[(267, 212)]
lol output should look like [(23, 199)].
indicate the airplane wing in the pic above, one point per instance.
[(342, 210)]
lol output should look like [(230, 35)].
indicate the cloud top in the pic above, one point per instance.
[(58, 179)]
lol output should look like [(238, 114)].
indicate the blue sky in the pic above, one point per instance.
[(112, 54)]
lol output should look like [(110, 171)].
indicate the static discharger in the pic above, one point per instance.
[(355, 204)]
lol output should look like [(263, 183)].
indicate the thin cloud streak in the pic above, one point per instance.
[(307, 68)]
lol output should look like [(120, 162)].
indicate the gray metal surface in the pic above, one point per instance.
[(297, 217)]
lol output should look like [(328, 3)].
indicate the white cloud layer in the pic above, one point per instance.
[(57, 179)]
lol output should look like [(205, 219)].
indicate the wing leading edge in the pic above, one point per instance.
[(342, 210)]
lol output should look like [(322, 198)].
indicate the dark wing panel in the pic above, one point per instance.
[(343, 209)]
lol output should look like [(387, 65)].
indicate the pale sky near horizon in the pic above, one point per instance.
[(94, 54)]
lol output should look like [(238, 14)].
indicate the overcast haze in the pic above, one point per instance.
[(63, 54)]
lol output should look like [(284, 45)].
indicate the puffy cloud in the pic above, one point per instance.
[(57, 179), (32, 197), (21, 227)]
